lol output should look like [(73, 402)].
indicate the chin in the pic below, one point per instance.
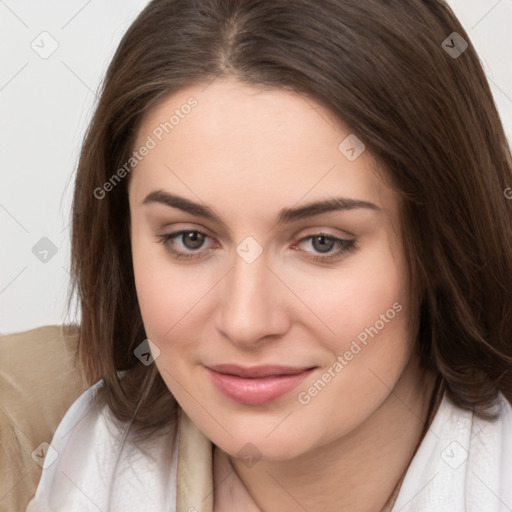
[(260, 446)]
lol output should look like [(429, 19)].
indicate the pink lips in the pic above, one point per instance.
[(257, 385)]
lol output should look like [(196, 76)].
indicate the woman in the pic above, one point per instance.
[(292, 250)]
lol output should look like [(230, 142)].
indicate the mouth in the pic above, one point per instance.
[(257, 385), (258, 371)]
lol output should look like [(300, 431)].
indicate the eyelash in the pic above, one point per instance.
[(347, 246)]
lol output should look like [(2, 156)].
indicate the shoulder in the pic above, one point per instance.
[(94, 462), (38, 383), (489, 470), (463, 463)]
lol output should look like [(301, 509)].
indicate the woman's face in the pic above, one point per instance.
[(261, 277)]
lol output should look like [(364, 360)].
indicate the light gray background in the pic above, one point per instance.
[(46, 104)]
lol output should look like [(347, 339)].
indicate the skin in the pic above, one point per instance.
[(248, 152)]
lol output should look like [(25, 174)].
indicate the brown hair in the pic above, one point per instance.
[(427, 116)]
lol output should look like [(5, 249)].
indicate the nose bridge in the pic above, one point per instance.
[(251, 306)]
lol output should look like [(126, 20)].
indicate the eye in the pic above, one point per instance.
[(191, 239), (324, 243)]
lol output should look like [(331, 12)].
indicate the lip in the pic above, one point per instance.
[(257, 385), (267, 370)]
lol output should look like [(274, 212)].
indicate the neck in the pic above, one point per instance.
[(359, 472)]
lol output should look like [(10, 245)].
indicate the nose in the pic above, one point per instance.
[(252, 305)]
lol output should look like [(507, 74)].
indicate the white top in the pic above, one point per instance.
[(82, 475), (463, 464)]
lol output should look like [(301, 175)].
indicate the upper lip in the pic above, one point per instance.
[(258, 371)]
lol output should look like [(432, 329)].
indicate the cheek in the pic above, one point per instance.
[(152, 288), (346, 302), (372, 344), (171, 296), (368, 311), (378, 321), (160, 292)]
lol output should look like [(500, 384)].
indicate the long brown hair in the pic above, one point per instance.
[(425, 113)]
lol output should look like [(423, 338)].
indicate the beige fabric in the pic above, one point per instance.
[(195, 463), (38, 384)]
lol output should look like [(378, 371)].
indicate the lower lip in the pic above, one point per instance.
[(259, 390)]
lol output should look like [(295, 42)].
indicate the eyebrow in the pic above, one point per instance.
[(285, 215)]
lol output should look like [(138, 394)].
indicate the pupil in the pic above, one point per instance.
[(323, 247), (193, 240)]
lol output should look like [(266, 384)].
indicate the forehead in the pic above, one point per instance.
[(244, 146), (253, 117)]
